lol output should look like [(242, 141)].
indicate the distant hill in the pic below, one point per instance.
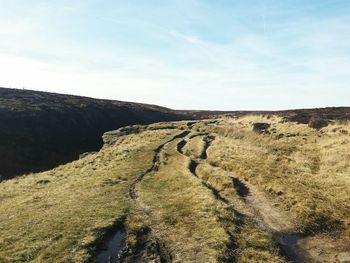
[(39, 130), (303, 116)]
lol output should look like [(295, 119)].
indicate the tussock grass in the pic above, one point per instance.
[(219, 179), (194, 147), (305, 169), (256, 246)]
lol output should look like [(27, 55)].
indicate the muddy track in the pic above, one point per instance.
[(280, 224), (207, 141), (190, 124), (193, 167), (256, 205), (216, 193), (149, 248), (270, 219), (194, 163), (240, 187), (155, 164), (180, 146)]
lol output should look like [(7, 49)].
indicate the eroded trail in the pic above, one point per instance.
[(256, 206), (268, 214), (294, 246), (148, 246), (155, 164), (270, 218), (195, 162), (207, 141)]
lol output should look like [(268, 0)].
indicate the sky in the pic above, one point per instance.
[(182, 54)]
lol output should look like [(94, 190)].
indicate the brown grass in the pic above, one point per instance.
[(63, 214), (60, 215), (304, 169), (182, 212)]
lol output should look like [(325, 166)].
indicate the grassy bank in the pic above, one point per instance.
[(61, 215), (307, 170), (209, 197)]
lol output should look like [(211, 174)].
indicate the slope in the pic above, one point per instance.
[(39, 130)]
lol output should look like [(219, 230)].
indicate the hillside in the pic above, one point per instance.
[(39, 130), (255, 188)]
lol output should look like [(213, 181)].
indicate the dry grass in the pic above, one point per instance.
[(194, 147), (305, 169), (256, 246), (251, 243), (181, 211), (61, 215)]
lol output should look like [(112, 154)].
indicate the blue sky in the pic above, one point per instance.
[(183, 54)]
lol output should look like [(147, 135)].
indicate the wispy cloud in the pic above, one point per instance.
[(181, 54)]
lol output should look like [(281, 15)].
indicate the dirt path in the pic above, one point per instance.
[(195, 162), (281, 225), (256, 206), (149, 248), (155, 164), (269, 216)]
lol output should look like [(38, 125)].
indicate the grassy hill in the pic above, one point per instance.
[(39, 130), (240, 187), (255, 188)]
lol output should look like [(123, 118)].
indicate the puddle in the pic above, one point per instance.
[(288, 245), (112, 247)]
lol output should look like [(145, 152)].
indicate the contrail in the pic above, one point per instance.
[(263, 18), (264, 23)]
